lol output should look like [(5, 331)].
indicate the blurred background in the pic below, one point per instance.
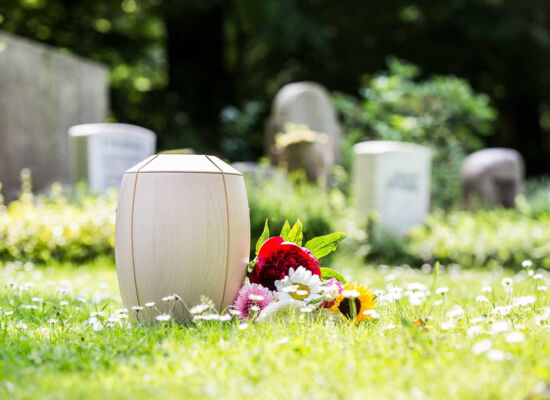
[(203, 73), (456, 76)]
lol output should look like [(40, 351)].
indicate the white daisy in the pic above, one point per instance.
[(163, 317), (507, 282), (300, 286), (276, 307), (442, 290)]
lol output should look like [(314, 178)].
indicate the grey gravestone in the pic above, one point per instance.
[(43, 92), (257, 173), (304, 103), (309, 156), (392, 179), (492, 176), (101, 153)]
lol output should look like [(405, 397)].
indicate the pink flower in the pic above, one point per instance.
[(334, 288), (252, 299)]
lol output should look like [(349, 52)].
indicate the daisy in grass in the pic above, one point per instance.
[(300, 286), (355, 302)]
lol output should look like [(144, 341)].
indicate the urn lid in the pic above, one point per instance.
[(183, 163)]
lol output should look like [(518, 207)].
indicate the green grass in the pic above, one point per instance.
[(286, 359)]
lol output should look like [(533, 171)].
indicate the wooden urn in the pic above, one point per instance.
[(182, 227)]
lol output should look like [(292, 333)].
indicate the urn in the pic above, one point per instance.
[(182, 228)]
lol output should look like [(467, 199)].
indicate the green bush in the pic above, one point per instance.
[(49, 228), (290, 198), (442, 113), (77, 227), (485, 238)]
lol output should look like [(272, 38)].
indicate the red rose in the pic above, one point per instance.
[(276, 257)]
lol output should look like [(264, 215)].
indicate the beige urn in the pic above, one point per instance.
[(182, 228)]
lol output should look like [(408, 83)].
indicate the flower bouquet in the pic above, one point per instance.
[(286, 277)]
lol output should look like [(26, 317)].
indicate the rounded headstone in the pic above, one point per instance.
[(304, 103), (492, 176)]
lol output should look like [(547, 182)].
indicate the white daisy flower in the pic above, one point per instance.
[(372, 313), (199, 309), (527, 264), (22, 325), (523, 301), (351, 294), (515, 337), (308, 286), (482, 347), (448, 325), (474, 331), (330, 292), (442, 290), (163, 317), (507, 282), (496, 355), (500, 327), (276, 307), (482, 299), (457, 311), (150, 304)]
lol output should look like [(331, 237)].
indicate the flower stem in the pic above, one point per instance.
[(352, 308)]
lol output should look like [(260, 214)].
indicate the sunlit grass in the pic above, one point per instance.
[(498, 348)]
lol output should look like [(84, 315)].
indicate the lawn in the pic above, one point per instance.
[(467, 347)]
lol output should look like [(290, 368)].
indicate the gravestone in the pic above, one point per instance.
[(101, 153), (257, 173), (43, 92), (492, 177), (304, 103), (306, 150), (392, 179)]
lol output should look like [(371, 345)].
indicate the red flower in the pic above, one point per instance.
[(276, 257)]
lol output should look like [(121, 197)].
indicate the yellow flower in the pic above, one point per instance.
[(363, 303)]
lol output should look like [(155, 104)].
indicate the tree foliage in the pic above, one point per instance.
[(202, 73)]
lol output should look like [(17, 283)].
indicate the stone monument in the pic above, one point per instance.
[(392, 179), (43, 92), (101, 153), (309, 104), (492, 177)]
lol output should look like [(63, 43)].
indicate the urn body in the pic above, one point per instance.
[(182, 228)]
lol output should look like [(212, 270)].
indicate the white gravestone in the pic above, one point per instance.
[(304, 103), (101, 153), (392, 179)]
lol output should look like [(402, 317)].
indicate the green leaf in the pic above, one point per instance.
[(263, 237), (295, 234), (328, 273), (324, 245), (285, 231)]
